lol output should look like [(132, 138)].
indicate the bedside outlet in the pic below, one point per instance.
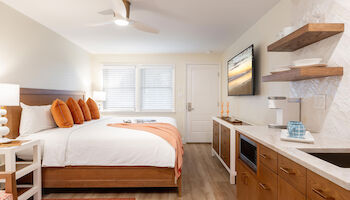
[(319, 102)]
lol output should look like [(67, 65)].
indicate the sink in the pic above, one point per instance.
[(339, 159)]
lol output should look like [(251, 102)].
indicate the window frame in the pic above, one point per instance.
[(138, 86)]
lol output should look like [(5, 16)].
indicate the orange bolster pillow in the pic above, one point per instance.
[(75, 109), (95, 113), (85, 109), (61, 114)]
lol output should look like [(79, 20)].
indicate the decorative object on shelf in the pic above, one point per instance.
[(308, 138), (222, 109), (280, 69), (228, 109), (308, 61), (303, 73), (282, 103), (99, 97), (9, 96), (296, 129), (306, 35)]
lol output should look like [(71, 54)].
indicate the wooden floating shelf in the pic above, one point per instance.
[(306, 35), (303, 74)]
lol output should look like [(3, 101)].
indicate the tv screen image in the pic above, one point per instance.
[(241, 73)]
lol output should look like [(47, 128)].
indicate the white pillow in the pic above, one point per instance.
[(35, 119)]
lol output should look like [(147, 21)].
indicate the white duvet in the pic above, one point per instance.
[(96, 144)]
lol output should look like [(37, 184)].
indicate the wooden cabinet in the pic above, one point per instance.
[(293, 173), (216, 130), (288, 192), (319, 188), (267, 186), (247, 185), (225, 145), (268, 157)]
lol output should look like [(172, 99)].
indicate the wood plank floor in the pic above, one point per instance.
[(204, 177)]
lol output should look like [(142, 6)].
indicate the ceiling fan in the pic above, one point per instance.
[(121, 17)]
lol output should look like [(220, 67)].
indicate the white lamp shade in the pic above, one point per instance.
[(99, 96), (9, 94), (4, 130)]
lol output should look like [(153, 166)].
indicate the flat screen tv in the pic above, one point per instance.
[(240, 73)]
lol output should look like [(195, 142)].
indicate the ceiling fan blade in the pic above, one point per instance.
[(106, 12), (102, 23), (119, 7), (143, 27)]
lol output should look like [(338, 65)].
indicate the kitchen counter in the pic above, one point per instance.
[(292, 150)]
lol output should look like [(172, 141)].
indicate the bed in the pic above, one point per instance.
[(111, 160)]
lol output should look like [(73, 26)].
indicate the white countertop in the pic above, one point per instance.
[(271, 139)]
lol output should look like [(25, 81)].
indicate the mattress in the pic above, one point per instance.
[(96, 144)]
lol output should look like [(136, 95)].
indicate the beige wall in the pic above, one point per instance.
[(33, 56), (254, 108), (178, 60), (334, 118)]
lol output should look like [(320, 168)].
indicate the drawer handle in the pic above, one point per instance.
[(287, 171), (264, 156), (263, 186), (321, 194)]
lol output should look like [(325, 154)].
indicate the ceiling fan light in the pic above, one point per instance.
[(121, 22)]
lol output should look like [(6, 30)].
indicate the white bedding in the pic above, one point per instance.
[(96, 144)]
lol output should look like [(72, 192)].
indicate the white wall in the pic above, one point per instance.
[(254, 108), (334, 120), (35, 57), (179, 60)]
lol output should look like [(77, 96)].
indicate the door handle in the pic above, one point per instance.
[(189, 107)]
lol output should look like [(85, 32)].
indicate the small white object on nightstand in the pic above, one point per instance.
[(99, 97), (9, 96)]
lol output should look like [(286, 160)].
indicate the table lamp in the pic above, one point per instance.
[(99, 97), (9, 96)]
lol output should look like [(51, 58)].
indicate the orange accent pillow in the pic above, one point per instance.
[(95, 113), (75, 109), (61, 114), (85, 109)]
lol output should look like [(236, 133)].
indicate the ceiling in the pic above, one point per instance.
[(186, 26)]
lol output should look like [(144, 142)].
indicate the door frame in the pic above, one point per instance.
[(188, 66)]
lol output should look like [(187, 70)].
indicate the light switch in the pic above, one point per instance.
[(319, 102)]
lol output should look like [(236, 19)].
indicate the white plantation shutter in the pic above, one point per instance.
[(119, 85), (157, 88)]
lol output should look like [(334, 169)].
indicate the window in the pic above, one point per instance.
[(119, 85), (139, 88)]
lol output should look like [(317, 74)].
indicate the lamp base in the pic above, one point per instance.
[(5, 140)]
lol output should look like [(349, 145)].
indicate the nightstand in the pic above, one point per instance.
[(24, 168)]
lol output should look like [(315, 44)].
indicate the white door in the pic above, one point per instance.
[(202, 101)]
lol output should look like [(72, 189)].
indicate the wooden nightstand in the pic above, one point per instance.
[(24, 168)]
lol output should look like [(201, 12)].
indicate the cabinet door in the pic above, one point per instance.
[(225, 145), (288, 192), (267, 185), (247, 184), (216, 136)]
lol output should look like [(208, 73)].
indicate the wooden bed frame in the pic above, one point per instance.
[(88, 176)]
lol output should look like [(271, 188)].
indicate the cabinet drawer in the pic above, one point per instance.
[(268, 157), (216, 136), (247, 184), (267, 185), (293, 173), (288, 192), (319, 188)]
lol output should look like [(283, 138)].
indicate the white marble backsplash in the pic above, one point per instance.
[(335, 51)]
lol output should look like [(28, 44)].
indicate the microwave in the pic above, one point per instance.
[(248, 152)]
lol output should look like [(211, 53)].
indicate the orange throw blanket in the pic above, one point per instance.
[(166, 131)]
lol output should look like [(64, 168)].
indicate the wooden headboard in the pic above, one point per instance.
[(36, 97)]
